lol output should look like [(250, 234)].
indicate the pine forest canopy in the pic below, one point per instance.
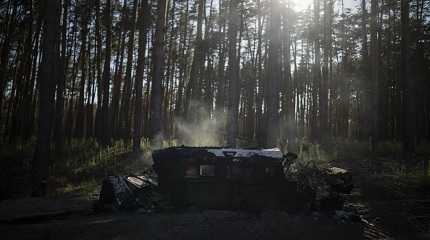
[(259, 73)]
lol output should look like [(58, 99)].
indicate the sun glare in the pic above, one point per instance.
[(300, 5)]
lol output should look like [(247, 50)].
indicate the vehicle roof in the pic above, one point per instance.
[(185, 151)]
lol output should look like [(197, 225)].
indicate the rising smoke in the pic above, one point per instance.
[(204, 130)]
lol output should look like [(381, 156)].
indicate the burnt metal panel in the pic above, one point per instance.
[(196, 176)]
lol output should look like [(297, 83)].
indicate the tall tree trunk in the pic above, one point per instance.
[(408, 123), (117, 80), (364, 118), (5, 50), (98, 38), (69, 126), (259, 118), (232, 74), (22, 76), (157, 73), (48, 69), (288, 89), (249, 90), (220, 93), (315, 129), (169, 80), (273, 85), (194, 89), (31, 101), (14, 102), (183, 66), (80, 116), (126, 93), (25, 105), (59, 110), (106, 133), (90, 95), (323, 94), (374, 69), (143, 24)]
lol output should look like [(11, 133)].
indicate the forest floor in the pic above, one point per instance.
[(209, 224), (396, 203), (397, 196)]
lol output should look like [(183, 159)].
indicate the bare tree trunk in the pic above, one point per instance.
[(272, 89), (408, 123), (259, 118), (323, 94), (220, 93), (5, 50), (170, 73), (288, 89), (59, 112), (374, 70), (143, 24), (98, 38), (106, 133), (31, 97), (117, 80), (69, 122), (364, 116), (48, 69), (249, 90), (180, 105), (194, 88), (14, 102), (90, 95), (157, 73), (232, 74), (25, 105), (315, 129), (126, 93), (80, 116)]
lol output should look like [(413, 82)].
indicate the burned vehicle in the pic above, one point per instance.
[(227, 178), (215, 177)]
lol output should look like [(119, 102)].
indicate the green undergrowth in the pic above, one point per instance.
[(84, 165), (382, 174), (78, 171)]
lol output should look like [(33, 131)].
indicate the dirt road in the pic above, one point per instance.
[(208, 224)]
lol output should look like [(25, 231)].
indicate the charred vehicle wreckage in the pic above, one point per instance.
[(228, 178)]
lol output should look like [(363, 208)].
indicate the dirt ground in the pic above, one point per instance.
[(209, 224)]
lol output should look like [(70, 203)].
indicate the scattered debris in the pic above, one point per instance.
[(130, 193), (328, 184)]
